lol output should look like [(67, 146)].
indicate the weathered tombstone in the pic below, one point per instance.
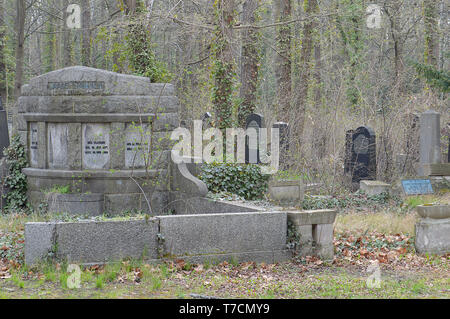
[(4, 136), (363, 162), (430, 140), (253, 122), (87, 128), (284, 142), (348, 165)]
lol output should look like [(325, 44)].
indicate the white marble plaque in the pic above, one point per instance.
[(34, 151), (137, 142), (96, 146), (57, 138)]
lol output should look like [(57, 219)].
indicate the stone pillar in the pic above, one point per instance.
[(430, 135)]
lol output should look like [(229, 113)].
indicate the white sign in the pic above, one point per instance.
[(74, 18), (373, 21)]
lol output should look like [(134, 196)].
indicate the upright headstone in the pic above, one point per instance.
[(284, 142), (4, 135), (348, 165), (363, 155), (430, 139), (253, 122)]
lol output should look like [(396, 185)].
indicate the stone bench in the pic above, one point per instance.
[(314, 229)]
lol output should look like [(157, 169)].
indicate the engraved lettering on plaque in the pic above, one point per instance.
[(96, 146)]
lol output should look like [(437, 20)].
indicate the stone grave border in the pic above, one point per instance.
[(249, 236)]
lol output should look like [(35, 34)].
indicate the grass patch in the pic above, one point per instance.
[(384, 222)]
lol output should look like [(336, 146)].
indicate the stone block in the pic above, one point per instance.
[(433, 236), (81, 80), (76, 204), (312, 217), (99, 242), (211, 234), (286, 190), (98, 104), (39, 241), (438, 169), (373, 188), (430, 139)]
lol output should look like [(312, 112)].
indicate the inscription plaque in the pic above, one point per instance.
[(417, 186), (137, 141), (58, 134), (96, 146), (34, 156)]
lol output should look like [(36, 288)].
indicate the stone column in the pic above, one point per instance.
[(430, 135)]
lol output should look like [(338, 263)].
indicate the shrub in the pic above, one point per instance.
[(244, 180), (16, 181)]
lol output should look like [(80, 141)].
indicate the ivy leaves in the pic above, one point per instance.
[(16, 181), (245, 180)]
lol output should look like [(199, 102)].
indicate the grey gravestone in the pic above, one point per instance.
[(4, 135), (417, 187), (96, 146), (253, 122), (284, 142), (363, 162), (348, 167), (430, 139)]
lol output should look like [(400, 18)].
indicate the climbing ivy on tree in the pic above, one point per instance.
[(140, 54), (223, 70), (438, 80)]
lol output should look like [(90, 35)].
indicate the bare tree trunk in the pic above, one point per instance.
[(223, 74), (305, 71), (20, 40), (249, 62), (431, 40), (67, 43), (3, 81), (86, 25), (283, 59)]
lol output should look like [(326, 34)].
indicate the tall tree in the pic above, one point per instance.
[(20, 43), (3, 80), (283, 58), (431, 39), (249, 61), (310, 8), (223, 64), (67, 40), (86, 26)]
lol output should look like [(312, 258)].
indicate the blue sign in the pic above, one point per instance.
[(417, 187)]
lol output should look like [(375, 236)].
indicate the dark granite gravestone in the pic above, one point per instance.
[(4, 136), (363, 155), (253, 122), (284, 142), (348, 165)]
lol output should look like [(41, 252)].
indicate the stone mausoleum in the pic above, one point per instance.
[(101, 133)]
